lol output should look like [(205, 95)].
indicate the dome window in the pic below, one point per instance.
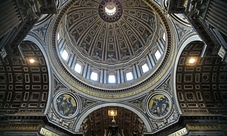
[(58, 36), (94, 76), (164, 36), (112, 79), (78, 68), (129, 76), (145, 68), (157, 55), (65, 55), (110, 9)]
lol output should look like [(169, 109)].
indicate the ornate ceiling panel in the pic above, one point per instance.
[(201, 87), (110, 39), (24, 85)]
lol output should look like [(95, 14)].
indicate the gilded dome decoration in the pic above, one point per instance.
[(111, 39), (111, 46)]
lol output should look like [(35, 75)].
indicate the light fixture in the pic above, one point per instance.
[(31, 60), (112, 113), (191, 61)]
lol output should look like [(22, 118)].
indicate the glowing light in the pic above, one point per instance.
[(112, 112), (110, 9), (78, 68), (129, 76), (158, 55), (58, 36), (94, 76), (164, 36), (112, 79), (65, 55), (31, 60), (145, 68), (192, 60)]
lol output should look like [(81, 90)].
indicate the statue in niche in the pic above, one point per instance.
[(99, 45), (70, 20), (152, 21), (137, 47), (125, 54), (122, 44), (97, 53), (66, 105), (85, 47), (147, 34), (75, 36), (159, 105)]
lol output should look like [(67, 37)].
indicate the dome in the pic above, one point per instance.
[(111, 46), (106, 39)]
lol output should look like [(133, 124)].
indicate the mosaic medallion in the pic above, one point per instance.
[(159, 105), (66, 105)]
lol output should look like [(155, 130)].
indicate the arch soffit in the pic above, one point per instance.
[(184, 44), (51, 86), (142, 116)]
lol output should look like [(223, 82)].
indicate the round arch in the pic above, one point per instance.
[(184, 44), (140, 114), (40, 45)]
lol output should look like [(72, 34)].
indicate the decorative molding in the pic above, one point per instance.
[(27, 127), (206, 127), (46, 132)]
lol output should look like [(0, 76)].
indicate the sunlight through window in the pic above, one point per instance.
[(78, 68), (112, 79), (157, 55), (65, 55), (129, 76), (94, 76), (110, 9), (145, 68), (58, 36), (164, 36)]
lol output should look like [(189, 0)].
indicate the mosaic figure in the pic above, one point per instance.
[(159, 105), (66, 105)]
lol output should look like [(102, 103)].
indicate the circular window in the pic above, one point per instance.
[(110, 9)]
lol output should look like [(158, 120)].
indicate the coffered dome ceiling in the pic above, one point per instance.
[(111, 38)]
